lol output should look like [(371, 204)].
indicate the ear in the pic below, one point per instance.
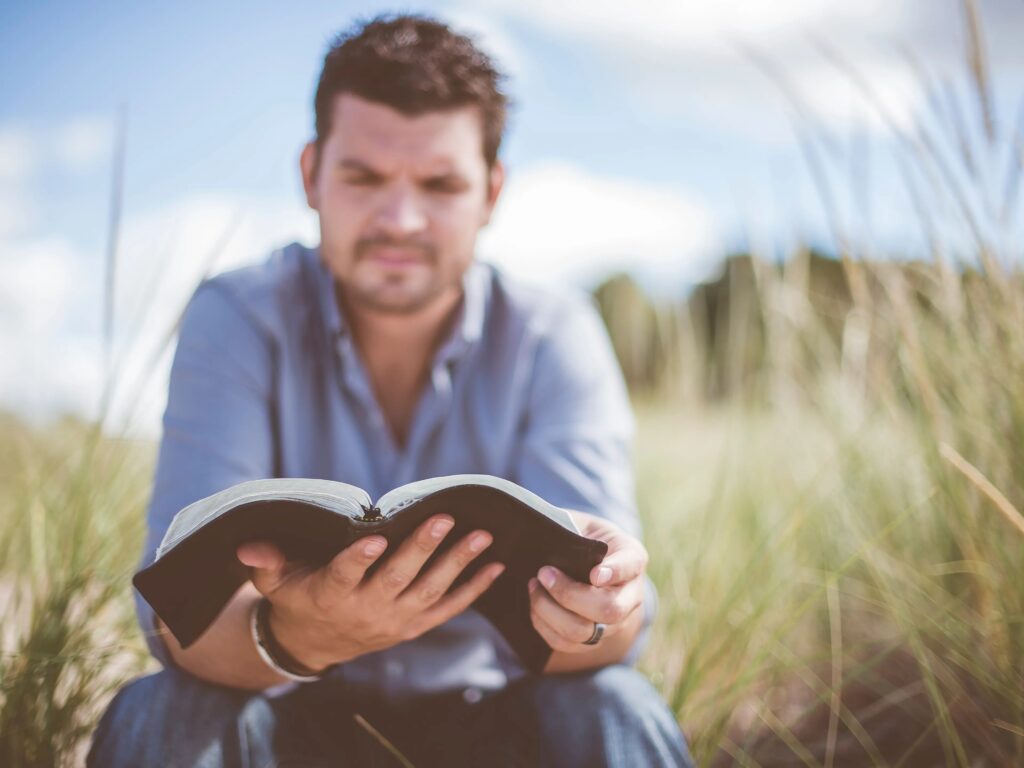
[(495, 183), (309, 162)]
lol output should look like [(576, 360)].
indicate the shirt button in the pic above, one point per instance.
[(472, 695)]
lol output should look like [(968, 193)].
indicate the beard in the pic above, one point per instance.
[(412, 279)]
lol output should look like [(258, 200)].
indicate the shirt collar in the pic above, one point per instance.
[(466, 330)]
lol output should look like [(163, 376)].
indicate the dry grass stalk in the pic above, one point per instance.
[(982, 483)]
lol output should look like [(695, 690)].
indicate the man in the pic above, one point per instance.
[(383, 356)]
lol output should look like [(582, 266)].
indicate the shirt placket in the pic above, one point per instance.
[(382, 452), (430, 413)]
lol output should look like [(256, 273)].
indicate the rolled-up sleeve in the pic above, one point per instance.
[(577, 446), (218, 427)]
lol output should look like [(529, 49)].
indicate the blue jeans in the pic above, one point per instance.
[(609, 717)]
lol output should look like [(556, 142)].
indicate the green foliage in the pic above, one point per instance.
[(834, 512), (70, 532), (635, 326), (821, 565)]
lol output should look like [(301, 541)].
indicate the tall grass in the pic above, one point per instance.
[(71, 523), (842, 563)]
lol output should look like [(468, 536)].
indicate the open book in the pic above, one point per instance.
[(196, 570)]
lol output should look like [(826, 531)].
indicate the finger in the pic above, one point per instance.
[(570, 626), (432, 585), (608, 605), (399, 571), (552, 637), (620, 565), (260, 554), (347, 568), (460, 598), (267, 564)]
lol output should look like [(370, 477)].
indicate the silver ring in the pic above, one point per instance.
[(595, 638)]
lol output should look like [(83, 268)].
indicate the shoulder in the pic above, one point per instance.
[(558, 329), (261, 296), (541, 310), (270, 285)]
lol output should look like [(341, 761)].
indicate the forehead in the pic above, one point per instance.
[(384, 138)]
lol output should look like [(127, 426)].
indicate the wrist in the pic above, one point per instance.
[(277, 655)]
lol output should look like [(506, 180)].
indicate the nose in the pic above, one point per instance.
[(401, 212)]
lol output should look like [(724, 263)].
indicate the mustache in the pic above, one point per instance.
[(364, 244)]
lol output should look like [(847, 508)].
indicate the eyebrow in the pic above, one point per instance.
[(350, 164), (356, 165)]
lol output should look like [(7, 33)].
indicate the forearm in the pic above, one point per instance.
[(225, 654), (611, 650)]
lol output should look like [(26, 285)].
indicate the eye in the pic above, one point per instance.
[(362, 180), (445, 185)]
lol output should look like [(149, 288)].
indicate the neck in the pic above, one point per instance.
[(412, 337)]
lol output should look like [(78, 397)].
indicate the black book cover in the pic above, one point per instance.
[(196, 570)]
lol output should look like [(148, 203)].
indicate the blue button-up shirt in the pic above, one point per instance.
[(267, 382)]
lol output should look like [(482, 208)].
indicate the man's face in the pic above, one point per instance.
[(401, 201)]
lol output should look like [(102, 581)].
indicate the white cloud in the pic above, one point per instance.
[(17, 212), (687, 57), (19, 154), (36, 282), (673, 26), (19, 157), (40, 284), (83, 142), (558, 222), (51, 294), (890, 95), (78, 144), (491, 37)]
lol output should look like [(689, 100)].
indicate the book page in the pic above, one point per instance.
[(411, 492), (338, 497)]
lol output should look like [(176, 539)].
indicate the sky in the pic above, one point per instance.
[(652, 137)]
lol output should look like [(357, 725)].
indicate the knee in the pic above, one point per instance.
[(612, 716), (615, 689), (158, 712)]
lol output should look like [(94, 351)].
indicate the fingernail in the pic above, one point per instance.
[(440, 528), (604, 573), (532, 586), (496, 572), (478, 542), (547, 576), (374, 547)]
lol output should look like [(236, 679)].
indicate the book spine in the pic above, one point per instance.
[(371, 513)]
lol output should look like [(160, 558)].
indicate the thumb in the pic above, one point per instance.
[(267, 563), (620, 566)]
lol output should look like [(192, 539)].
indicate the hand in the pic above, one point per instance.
[(565, 611), (337, 613)]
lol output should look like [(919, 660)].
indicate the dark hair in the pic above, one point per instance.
[(413, 64)]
